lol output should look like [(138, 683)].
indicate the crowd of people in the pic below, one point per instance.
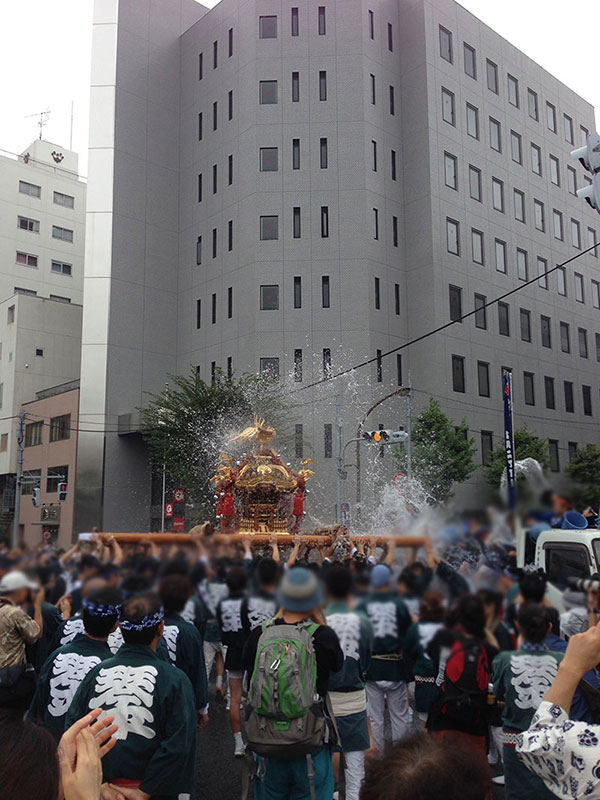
[(358, 674)]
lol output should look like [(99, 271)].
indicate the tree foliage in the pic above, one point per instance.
[(584, 469), (188, 425), (442, 453), (527, 445)]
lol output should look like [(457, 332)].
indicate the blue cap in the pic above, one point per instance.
[(381, 576), (299, 590)]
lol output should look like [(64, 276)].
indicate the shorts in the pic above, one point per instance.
[(236, 674)]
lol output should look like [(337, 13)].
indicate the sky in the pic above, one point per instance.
[(45, 51)]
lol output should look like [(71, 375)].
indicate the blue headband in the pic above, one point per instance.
[(150, 621), (99, 610)]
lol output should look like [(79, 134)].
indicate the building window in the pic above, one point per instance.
[(532, 104), (267, 92), (322, 21), (295, 22), (525, 320), (549, 392), (472, 121), (200, 66), (477, 246), (269, 298), (298, 438), (487, 445), (200, 127), (584, 134), (200, 188), (28, 224), (553, 454), (30, 188), (10, 316), (214, 309), (325, 292), (269, 228), (536, 159), (230, 169), (295, 153), (519, 203), (498, 194), (492, 76), (371, 24), (568, 128), (470, 60), (230, 302), (500, 252), (448, 114), (557, 224), (377, 294), (495, 135), (297, 292), (458, 374), (538, 215), (59, 299), (379, 362), (327, 440), (60, 428), (575, 234), (230, 42), (452, 236), (583, 342), (483, 378), (569, 397), (229, 367), (214, 242), (516, 148), (198, 251), (295, 87), (325, 222), (270, 367), (522, 266), (372, 84), (392, 102), (323, 156), (528, 388), (214, 178), (33, 433), (297, 222), (230, 104), (390, 32), (376, 223), (480, 312), (565, 339), (399, 369), (322, 85), (395, 231), (267, 27), (27, 259), (542, 265), (596, 294), (298, 365), (374, 156), (198, 314), (474, 183), (455, 299), (551, 117), (561, 279), (579, 292), (513, 91), (586, 393), (393, 157), (397, 299), (554, 171), (451, 171), (64, 234), (572, 447), (230, 235), (503, 319), (446, 44), (65, 200), (3, 443), (326, 363), (597, 338), (546, 331), (215, 55), (572, 180)]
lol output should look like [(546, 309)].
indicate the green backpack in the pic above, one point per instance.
[(286, 718)]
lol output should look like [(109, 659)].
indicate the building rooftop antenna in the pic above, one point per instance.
[(44, 116)]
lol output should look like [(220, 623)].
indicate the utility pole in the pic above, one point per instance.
[(19, 478), (340, 458), (409, 430)]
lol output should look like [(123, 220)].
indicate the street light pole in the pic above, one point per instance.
[(19, 478), (340, 458)]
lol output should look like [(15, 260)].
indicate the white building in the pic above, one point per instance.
[(298, 187), (42, 235)]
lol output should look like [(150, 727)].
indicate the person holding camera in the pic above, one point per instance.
[(18, 629)]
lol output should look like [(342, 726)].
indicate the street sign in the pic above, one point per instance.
[(168, 509), (178, 524), (178, 495)]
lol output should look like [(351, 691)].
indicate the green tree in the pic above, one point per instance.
[(527, 445), (187, 426), (442, 453), (584, 469)]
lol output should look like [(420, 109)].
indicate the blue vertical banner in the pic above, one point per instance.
[(509, 439)]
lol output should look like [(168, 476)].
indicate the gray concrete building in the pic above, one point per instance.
[(295, 187)]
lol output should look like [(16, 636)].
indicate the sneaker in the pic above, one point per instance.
[(228, 704), (240, 750), (498, 780), (492, 758)]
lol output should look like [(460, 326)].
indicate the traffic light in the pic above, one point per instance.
[(385, 436), (35, 497), (589, 157), (62, 492)]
